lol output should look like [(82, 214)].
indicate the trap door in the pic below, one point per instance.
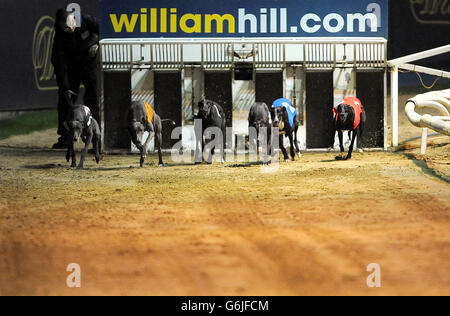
[(168, 103), (319, 109), (370, 90), (218, 88), (269, 87), (117, 101)]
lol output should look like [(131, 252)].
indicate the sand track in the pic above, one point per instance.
[(311, 228)]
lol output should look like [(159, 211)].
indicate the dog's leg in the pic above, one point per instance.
[(158, 145), (350, 151), (140, 147), (341, 144), (96, 140), (361, 129), (268, 142), (296, 141), (72, 154), (258, 142), (283, 149), (144, 148), (68, 154), (341, 141), (97, 149), (85, 150), (201, 144), (224, 142), (212, 151), (291, 141)]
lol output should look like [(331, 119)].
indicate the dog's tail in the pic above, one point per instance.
[(170, 121)]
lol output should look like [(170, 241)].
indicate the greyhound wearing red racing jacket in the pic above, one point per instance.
[(350, 116)]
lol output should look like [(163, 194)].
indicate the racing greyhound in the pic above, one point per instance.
[(82, 125), (286, 119), (259, 118), (349, 116), (212, 115), (142, 118)]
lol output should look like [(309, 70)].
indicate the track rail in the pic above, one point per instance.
[(436, 100)]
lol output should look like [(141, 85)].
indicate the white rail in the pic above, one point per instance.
[(261, 52), (436, 100), (403, 63)]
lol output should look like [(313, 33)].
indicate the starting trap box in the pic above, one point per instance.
[(237, 52)]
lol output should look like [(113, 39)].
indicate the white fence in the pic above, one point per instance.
[(404, 63), (438, 101), (262, 53)]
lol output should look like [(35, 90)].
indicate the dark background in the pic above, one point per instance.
[(408, 36), (18, 90)]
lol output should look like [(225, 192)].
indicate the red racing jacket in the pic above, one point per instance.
[(356, 104)]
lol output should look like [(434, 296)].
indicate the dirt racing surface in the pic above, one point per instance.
[(311, 228)]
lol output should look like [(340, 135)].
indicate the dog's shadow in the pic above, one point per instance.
[(330, 160), (67, 167), (45, 166), (246, 164)]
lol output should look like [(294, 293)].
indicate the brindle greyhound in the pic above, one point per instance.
[(80, 123), (142, 118), (212, 115), (260, 118)]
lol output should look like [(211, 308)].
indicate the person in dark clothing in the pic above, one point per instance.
[(74, 58)]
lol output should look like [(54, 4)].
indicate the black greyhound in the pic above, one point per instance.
[(281, 120), (81, 124), (349, 116), (259, 118), (142, 118), (212, 115)]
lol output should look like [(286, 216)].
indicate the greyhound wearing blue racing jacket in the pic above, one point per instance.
[(286, 119)]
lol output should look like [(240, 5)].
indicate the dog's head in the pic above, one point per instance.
[(77, 122), (136, 130), (75, 129), (204, 108), (279, 117), (343, 113), (65, 21)]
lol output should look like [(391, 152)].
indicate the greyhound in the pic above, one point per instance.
[(142, 118), (286, 119), (82, 125), (212, 115), (259, 117), (349, 116)]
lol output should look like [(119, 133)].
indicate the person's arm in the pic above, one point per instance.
[(60, 64), (91, 24)]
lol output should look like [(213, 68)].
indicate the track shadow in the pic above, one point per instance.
[(45, 167), (171, 165), (422, 164), (330, 160), (246, 164), (112, 168)]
